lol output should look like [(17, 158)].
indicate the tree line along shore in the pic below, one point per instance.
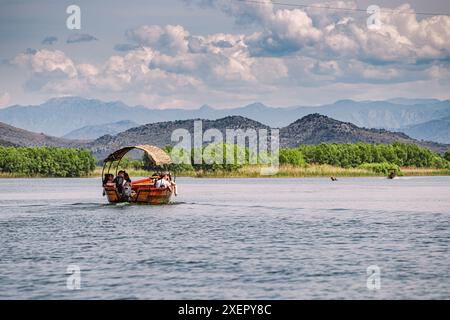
[(351, 160)]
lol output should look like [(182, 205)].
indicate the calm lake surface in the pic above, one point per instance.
[(228, 238)]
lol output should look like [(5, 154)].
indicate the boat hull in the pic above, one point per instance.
[(141, 194)]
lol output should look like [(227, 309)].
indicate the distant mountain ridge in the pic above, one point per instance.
[(317, 128), (95, 131), (11, 136), (160, 133), (435, 130), (61, 116), (311, 129)]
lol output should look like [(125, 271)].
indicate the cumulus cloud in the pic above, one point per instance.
[(80, 37), (49, 40), (46, 67), (46, 61), (286, 31), (327, 33), (51, 71), (210, 60), (168, 39), (292, 48)]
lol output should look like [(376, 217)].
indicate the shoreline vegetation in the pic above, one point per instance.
[(323, 160), (311, 171), (289, 171)]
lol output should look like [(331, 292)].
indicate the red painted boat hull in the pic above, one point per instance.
[(144, 194)]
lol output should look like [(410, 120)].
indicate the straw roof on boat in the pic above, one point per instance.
[(156, 155)]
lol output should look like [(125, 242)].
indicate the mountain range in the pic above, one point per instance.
[(311, 129), (11, 136), (435, 130), (94, 131), (75, 117)]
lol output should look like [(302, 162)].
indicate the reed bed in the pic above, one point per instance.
[(284, 171), (290, 171)]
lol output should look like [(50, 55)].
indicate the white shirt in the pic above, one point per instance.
[(162, 183)]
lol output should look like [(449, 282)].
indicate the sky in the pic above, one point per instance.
[(224, 53)]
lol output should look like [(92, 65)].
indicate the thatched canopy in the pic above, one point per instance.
[(156, 155)]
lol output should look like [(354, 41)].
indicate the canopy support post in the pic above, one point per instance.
[(103, 171), (117, 167)]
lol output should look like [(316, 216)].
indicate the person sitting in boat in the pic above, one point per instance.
[(120, 181), (155, 177), (171, 184), (160, 182), (128, 192), (108, 180), (126, 177), (165, 182)]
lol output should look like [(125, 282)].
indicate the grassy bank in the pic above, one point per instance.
[(291, 171), (425, 172), (284, 171)]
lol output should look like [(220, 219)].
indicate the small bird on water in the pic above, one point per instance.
[(333, 178)]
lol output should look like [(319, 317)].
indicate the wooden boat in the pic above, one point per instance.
[(143, 190)]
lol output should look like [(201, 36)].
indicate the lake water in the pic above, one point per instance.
[(226, 239)]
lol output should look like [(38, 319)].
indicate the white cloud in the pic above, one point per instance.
[(402, 37), (293, 49), (47, 61), (168, 39), (286, 31)]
